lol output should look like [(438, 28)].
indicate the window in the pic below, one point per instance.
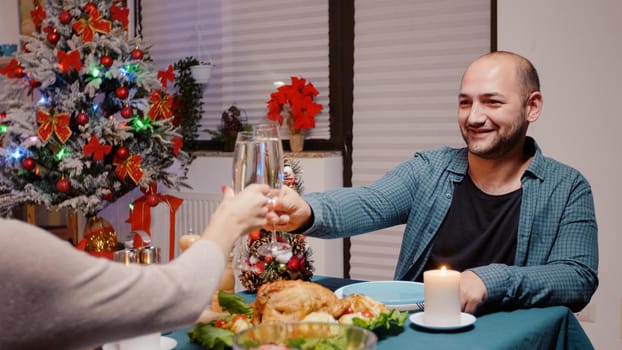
[(253, 44), (409, 58)]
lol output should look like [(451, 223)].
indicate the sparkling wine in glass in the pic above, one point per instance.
[(244, 173), (270, 171)]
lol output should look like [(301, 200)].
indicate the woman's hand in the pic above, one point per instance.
[(238, 214)]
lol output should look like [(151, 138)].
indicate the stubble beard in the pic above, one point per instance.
[(499, 146)]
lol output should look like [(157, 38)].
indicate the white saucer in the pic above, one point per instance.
[(465, 321)]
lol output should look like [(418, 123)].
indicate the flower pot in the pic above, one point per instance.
[(201, 73), (296, 142)]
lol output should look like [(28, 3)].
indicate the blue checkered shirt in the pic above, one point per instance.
[(557, 250)]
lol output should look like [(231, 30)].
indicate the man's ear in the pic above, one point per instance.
[(534, 106)]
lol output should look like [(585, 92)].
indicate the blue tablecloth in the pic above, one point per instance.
[(536, 328)]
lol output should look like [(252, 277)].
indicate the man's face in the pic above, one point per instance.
[(492, 109)]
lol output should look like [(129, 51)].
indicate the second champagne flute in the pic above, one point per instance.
[(270, 171)]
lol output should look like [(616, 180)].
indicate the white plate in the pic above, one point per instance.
[(166, 343), (400, 295), (465, 321)]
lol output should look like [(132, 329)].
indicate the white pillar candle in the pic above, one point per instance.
[(441, 293)]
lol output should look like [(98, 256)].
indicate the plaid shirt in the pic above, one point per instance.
[(557, 249)]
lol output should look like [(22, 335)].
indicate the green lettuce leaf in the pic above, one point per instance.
[(386, 320), (234, 304), (211, 337)]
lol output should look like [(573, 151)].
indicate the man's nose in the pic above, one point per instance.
[(476, 114)]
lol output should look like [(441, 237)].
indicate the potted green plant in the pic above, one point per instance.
[(189, 101), (202, 71)]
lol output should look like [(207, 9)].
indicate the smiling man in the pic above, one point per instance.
[(519, 226)]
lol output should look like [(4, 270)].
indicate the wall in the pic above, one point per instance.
[(576, 47)]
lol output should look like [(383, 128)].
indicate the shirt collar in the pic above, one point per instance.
[(460, 163)]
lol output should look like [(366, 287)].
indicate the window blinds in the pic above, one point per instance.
[(253, 44), (409, 58)]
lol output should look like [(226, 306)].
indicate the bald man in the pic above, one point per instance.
[(519, 226)]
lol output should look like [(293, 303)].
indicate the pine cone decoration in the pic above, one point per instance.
[(298, 243), (251, 281), (254, 245)]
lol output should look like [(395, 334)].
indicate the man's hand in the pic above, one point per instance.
[(292, 210), (472, 291)]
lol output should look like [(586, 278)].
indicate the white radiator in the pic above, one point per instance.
[(191, 217)]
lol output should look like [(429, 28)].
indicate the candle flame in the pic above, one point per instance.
[(443, 270)]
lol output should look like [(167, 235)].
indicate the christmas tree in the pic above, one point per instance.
[(85, 115)]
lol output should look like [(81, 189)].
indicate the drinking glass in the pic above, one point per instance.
[(244, 173), (270, 171)]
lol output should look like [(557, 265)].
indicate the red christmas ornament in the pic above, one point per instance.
[(122, 153), (106, 61), (137, 54), (90, 7), (122, 92), (64, 17), (82, 118), (19, 72), (53, 37), (28, 163), (127, 112), (107, 196), (293, 263), (25, 47), (152, 199), (2, 115), (34, 84), (63, 186)]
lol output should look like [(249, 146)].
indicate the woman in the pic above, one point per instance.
[(56, 297)]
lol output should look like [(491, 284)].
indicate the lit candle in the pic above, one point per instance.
[(441, 292)]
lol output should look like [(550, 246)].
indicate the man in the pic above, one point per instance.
[(521, 227)]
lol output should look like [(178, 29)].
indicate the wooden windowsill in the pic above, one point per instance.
[(303, 154)]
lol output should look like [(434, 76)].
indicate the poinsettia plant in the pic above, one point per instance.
[(294, 104)]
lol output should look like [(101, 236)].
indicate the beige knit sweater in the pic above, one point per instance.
[(53, 296)]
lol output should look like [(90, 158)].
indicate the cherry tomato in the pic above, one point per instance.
[(367, 314), (240, 317), (220, 323), (349, 310)]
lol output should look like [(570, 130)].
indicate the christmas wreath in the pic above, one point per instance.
[(295, 264)]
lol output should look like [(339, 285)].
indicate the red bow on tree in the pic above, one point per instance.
[(161, 105), (96, 149), (178, 142), (119, 14), (140, 215), (9, 69), (166, 75), (88, 27), (38, 15), (68, 60), (55, 123), (129, 166)]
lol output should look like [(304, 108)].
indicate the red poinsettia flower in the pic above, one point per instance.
[(295, 104)]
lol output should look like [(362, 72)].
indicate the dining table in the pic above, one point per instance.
[(554, 327)]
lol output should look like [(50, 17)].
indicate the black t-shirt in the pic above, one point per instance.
[(479, 229)]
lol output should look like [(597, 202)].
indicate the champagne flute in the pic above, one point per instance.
[(244, 174), (270, 171)]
